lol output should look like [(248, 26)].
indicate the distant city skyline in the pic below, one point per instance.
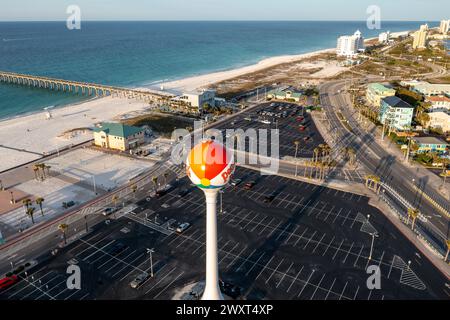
[(355, 10)]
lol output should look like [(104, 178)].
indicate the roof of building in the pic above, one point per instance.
[(429, 140), (438, 99), (432, 86), (118, 129), (379, 87), (396, 102)]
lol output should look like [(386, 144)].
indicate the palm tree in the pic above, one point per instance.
[(351, 155), (39, 202), (30, 213), (445, 173), (63, 228), (412, 213), (134, 189), (26, 202), (155, 183), (36, 172), (115, 198)]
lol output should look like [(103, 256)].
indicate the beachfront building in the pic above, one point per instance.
[(420, 38), (439, 120), (439, 103), (431, 89), (384, 37), (376, 91), (197, 99), (117, 136), (396, 113), (350, 46), (444, 26), (284, 95), (430, 144)]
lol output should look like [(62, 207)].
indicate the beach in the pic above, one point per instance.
[(193, 83), (27, 138)]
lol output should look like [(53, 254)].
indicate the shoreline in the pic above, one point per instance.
[(195, 82), (26, 137)]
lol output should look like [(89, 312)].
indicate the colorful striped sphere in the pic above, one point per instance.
[(209, 165)]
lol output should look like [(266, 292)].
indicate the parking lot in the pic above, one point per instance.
[(286, 117), (308, 242)]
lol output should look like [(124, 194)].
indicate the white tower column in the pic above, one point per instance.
[(212, 290)]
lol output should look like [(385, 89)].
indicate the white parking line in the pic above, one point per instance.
[(337, 250), (329, 290), (342, 293), (318, 243), (307, 281), (359, 254), (301, 237), (160, 280), (317, 287), (309, 240), (295, 279), (274, 270), (254, 264), (99, 250), (265, 267), (348, 252), (328, 246), (284, 275), (282, 232), (168, 285)]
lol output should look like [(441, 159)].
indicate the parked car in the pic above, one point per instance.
[(269, 198), (7, 282), (249, 185), (236, 182), (182, 193), (230, 290), (183, 227), (118, 248), (139, 280), (109, 211), (69, 204)]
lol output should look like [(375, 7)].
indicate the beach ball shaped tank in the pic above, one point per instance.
[(209, 165)]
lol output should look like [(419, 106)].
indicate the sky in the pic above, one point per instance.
[(55, 10)]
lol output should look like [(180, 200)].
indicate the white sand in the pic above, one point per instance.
[(192, 83), (45, 135), (34, 133)]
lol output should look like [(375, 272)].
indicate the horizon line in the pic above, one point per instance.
[(230, 20)]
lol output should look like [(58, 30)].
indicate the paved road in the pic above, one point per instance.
[(378, 161)]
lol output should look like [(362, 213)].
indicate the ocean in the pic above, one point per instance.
[(146, 53)]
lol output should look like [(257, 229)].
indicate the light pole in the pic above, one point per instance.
[(221, 201), (371, 246), (12, 201), (296, 153), (210, 166), (95, 186), (150, 251)]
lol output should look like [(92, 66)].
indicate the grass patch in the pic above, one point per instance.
[(162, 124)]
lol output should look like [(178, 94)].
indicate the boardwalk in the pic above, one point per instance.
[(83, 88)]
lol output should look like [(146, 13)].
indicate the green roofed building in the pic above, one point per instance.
[(118, 136), (284, 95), (376, 92)]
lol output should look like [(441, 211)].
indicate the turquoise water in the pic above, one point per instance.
[(145, 53)]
